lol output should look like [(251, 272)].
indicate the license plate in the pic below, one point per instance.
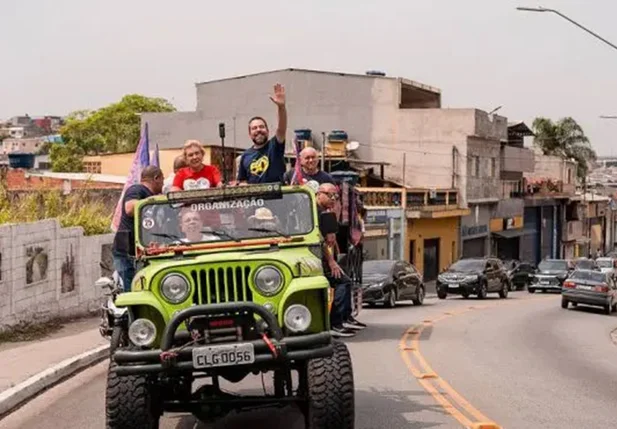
[(453, 286), (545, 282), (584, 287), (223, 355)]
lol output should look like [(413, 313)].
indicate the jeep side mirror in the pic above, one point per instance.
[(328, 224)]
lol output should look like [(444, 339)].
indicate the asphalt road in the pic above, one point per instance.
[(519, 363)]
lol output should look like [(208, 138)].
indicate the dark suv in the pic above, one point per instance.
[(550, 275), (473, 276)]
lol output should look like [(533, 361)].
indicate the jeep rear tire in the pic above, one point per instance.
[(129, 402), (331, 395)]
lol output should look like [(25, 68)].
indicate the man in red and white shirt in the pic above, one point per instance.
[(197, 175)]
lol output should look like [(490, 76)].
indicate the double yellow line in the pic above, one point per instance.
[(451, 401)]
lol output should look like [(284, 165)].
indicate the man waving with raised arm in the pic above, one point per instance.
[(265, 161)]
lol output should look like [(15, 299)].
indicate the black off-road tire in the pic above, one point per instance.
[(503, 293), (119, 338), (331, 395), (130, 402)]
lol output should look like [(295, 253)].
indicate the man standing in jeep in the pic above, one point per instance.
[(265, 161)]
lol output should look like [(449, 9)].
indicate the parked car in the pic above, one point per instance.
[(607, 264), (389, 281), (519, 273), (590, 287), (584, 264), (473, 276), (550, 275)]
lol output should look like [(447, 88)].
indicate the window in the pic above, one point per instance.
[(569, 176), (493, 167), (474, 166)]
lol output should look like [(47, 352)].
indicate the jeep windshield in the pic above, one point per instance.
[(164, 223)]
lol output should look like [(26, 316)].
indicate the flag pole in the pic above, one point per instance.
[(222, 136)]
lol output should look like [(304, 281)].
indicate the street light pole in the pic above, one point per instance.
[(542, 9)]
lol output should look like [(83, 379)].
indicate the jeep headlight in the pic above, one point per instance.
[(268, 280), (175, 288), (142, 332), (297, 318)]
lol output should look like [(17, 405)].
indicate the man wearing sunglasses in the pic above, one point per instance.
[(341, 321)]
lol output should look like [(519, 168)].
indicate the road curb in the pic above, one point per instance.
[(26, 390)]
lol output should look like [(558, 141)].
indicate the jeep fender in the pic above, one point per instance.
[(139, 299), (300, 285)]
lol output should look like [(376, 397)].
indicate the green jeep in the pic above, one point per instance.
[(244, 295)]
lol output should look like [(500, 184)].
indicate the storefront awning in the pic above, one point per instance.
[(511, 233)]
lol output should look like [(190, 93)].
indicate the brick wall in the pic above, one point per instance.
[(49, 271), (17, 179)]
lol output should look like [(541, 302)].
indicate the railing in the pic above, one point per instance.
[(414, 199), (548, 187)]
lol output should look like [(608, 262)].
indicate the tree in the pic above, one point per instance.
[(112, 129), (66, 158), (564, 138)]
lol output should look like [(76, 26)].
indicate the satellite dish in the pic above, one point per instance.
[(351, 146)]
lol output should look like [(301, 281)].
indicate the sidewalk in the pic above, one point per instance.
[(29, 367)]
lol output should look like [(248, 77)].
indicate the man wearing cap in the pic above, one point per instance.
[(265, 161), (341, 320), (311, 174)]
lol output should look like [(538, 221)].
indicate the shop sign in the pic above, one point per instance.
[(467, 231)]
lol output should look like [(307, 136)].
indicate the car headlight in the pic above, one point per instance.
[(297, 318), (142, 332), (268, 280), (175, 288)]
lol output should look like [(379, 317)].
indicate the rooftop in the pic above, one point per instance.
[(299, 70)]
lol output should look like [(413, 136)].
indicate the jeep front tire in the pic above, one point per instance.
[(331, 395), (129, 402)]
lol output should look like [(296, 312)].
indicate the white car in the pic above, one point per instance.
[(607, 264)]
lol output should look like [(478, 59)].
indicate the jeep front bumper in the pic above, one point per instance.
[(267, 351)]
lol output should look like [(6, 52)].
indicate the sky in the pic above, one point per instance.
[(66, 55)]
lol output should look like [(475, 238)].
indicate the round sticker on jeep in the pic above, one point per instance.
[(148, 223)]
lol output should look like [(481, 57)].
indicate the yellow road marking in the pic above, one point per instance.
[(430, 380)]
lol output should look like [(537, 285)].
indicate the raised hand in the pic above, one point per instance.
[(278, 97)]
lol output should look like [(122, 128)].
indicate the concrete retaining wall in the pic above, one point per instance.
[(49, 271)]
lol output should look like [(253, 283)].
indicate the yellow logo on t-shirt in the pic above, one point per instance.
[(259, 166)]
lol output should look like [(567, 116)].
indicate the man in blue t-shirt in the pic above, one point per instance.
[(123, 250), (265, 161), (311, 174)]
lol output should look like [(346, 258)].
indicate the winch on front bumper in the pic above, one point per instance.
[(191, 352)]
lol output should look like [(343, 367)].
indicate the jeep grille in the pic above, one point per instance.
[(222, 284)]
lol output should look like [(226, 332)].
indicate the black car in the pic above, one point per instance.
[(519, 273), (389, 281), (473, 276), (590, 287), (550, 275)]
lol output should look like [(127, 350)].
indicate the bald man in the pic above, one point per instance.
[(309, 162), (179, 162)]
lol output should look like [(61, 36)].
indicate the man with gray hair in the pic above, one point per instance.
[(311, 174)]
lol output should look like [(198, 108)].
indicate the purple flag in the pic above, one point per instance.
[(141, 159)]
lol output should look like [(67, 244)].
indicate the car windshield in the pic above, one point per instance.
[(165, 223), (376, 268), (468, 265), (604, 263), (594, 276), (584, 264), (553, 266)]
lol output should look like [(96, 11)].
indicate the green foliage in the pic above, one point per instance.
[(75, 210), (112, 129), (564, 138)]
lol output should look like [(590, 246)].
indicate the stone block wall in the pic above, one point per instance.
[(48, 271)]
